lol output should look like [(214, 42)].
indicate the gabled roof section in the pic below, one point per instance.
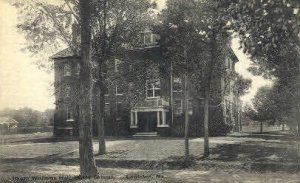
[(64, 54), (6, 120), (233, 55)]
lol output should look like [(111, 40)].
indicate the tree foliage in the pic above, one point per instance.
[(28, 117), (269, 32)]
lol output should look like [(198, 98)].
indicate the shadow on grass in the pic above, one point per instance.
[(259, 156), (271, 136)]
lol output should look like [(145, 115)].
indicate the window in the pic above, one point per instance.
[(69, 113), (67, 70), (119, 90), (119, 110), (153, 88), (190, 107), (148, 38), (178, 106), (105, 90), (78, 69), (228, 111), (177, 85), (117, 65), (68, 91), (107, 108), (228, 63)]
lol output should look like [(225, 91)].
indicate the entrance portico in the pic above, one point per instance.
[(142, 118)]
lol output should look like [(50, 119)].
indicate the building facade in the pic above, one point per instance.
[(143, 95)]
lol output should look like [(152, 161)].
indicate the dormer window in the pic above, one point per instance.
[(67, 70), (153, 88)]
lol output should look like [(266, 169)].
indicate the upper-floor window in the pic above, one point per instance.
[(105, 90), (67, 70), (153, 88), (107, 108), (68, 91), (228, 63), (177, 85), (117, 65), (119, 90)]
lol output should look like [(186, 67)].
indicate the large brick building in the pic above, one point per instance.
[(156, 106)]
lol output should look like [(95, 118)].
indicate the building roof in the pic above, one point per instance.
[(7, 120), (63, 54)]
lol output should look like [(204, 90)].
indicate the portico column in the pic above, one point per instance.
[(163, 118), (136, 118), (158, 118), (131, 119)]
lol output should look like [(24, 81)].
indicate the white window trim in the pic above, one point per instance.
[(78, 68), (177, 91), (117, 64), (152, 89), (119, 94), (181, 107), (71, 115), (190, 107), (69, 72), (68, 91)]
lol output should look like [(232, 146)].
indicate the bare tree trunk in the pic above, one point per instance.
[(186, 112), (212, 63), (101, 132), (240, 120), (261, 126), (86, 156), (186, 120), (206, 121)]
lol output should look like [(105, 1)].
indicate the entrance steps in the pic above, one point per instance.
[(145, 135)]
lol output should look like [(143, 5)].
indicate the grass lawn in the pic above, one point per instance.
[(268, 157)]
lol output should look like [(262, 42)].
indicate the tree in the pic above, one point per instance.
[(117, 25), (196, 27), (114, 24), (86, 156), (264, 108), (269, 32)]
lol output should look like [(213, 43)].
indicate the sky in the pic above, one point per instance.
[(23, 84)]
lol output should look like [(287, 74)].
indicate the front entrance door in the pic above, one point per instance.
[(147, 121)]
